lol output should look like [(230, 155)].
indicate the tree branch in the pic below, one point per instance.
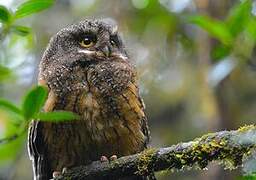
[(227, 147), (9, 139)]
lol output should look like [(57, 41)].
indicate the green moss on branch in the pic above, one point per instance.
[(226, 147)]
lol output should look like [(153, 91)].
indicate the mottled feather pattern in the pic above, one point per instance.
[(101, 88)]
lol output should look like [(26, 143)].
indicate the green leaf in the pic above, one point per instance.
[(34, 101), (5, 15), (31, 7), (250, 177), (9, 106), (214, 27), (4, 73), (10, 150), (239, 17), (251, 28), (11, 126), (56, 116), (220, 51), (21, 30)]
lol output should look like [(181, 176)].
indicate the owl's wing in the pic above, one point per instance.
[(37, 151), (144, 123), (144, 127), (137, 106), (36, 146)]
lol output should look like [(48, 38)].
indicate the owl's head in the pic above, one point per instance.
[(88, 40), (89, 52)]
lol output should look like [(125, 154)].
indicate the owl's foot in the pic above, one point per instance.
[(64, 170), (56, 174), (113, 157), (103, 159)]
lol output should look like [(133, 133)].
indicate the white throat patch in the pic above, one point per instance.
[(84, 51)]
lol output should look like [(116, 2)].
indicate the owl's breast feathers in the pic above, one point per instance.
[(112, 116)]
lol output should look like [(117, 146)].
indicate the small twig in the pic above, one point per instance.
[(12, 137), (229, 147), (8, 139)]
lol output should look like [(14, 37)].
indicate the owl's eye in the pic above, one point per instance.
[(88, 41), (114, 40)]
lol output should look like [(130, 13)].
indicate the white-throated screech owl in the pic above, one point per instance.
[(87, 71)]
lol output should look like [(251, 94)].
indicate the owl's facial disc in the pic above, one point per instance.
[(106, 45)]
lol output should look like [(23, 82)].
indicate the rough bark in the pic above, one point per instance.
[(227, 147)]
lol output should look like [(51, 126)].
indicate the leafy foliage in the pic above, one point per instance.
[(56, 116), (9, 106), (239, 17), (31, 109), (33, 102), (21, 30), (4, 73), (19, 117), (31, 7), (28, 8), (250, 177), (239, 24), (216, 28), (4, 14)]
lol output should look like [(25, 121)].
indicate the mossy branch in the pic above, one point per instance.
[(227, 147)]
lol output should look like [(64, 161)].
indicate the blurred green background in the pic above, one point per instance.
[(195, 58)]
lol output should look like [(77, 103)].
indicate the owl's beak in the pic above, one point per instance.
[(106, 51)]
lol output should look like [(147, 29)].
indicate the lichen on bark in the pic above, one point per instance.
[(229, 148)]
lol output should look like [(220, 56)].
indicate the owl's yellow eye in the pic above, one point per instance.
[(114, 40), (88, 41)]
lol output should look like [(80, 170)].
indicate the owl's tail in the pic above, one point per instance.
[(40, 169)]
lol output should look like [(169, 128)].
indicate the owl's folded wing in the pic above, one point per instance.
[(37, 151), (36, 146), (136, 110)]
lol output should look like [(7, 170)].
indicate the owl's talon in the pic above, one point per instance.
[(64, 170), (113, 157), (103, 159), (56, 174)]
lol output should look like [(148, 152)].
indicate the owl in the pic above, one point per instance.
[(86, 70)]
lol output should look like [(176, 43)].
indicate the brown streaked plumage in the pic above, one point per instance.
[(87, 71)]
